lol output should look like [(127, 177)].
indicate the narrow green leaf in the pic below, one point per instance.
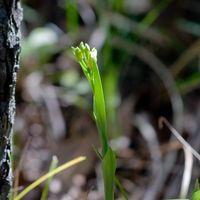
[(45, 191), (121, 188), (97, 152), (109, 167), (71, 10), (196, 193), (99, 109)]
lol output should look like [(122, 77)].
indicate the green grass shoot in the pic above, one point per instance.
[(45, 191), (87, 58)]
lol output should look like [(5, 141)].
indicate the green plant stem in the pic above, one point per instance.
[(88, 60)]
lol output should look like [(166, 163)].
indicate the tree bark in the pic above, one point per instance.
[(10, 19)]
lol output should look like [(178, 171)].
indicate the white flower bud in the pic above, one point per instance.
[(93, 54)]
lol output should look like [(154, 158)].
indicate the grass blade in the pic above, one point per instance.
[(53, 165), (109, 166), (48, 175), (121, 189)]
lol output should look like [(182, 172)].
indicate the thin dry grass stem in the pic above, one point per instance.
[(188, 152), (18, 168), (170, 146), (187, 173), (48, 175), (163, 121), (185, 58)]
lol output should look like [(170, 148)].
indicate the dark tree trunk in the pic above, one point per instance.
[(10, 18)]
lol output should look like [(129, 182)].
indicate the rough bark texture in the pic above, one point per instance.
[(10, 18)]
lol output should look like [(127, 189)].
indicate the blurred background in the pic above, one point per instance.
[(148, 54)]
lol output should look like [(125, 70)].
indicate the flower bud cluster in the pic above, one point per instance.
[(84, 54)]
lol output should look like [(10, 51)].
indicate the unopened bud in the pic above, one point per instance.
[(94, 54)]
